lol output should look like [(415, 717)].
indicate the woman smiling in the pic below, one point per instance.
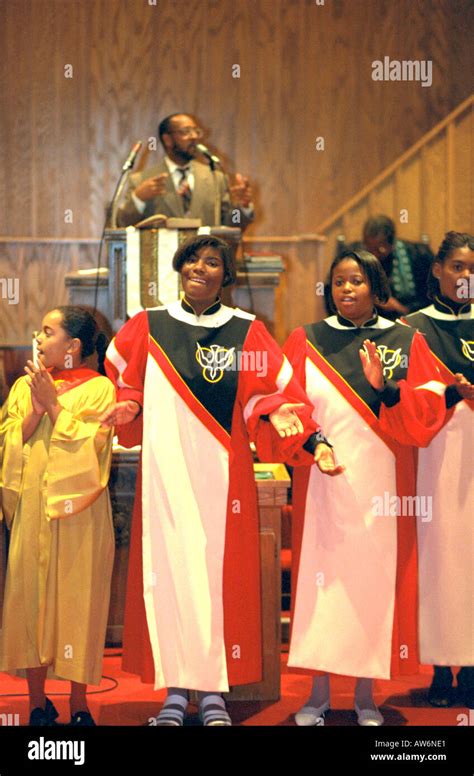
[(193, 604)]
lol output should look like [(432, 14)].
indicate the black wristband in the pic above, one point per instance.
[(452, 396), (390, 394), (314, 440)]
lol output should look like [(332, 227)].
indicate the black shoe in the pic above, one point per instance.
[(441, 693), (44, 717), (466, 686), (82, 719)]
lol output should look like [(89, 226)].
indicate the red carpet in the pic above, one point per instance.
[(403, 702)]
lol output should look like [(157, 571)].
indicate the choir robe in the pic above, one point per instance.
[(354, 575), (192, 616), (445, 547), (56, 503)]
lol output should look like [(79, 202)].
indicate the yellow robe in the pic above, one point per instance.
[(56, 503)]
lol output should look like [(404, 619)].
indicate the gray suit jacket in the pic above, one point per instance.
[(171, 204)]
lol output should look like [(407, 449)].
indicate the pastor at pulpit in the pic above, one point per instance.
[(180, 186)]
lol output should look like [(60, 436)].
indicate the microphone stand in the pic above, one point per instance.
[(117, 194), (111, 212), (217, 199)]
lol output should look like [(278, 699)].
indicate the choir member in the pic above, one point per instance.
[(55, 466), (355, 561), (195, 380), (446, 592)]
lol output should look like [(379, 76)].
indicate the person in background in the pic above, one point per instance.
[(406, 265)]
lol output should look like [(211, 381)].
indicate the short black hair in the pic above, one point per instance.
[(166, 126), (194, 244), (451, 241), (380, 225), (371, 268)]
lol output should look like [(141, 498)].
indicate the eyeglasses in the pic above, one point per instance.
[(187, 132)]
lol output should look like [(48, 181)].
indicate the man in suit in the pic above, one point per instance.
[(180, 186)]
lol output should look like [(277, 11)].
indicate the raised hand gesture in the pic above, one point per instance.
[(43, 390), (371, 364)]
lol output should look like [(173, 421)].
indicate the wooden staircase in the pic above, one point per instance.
[(432, 181)]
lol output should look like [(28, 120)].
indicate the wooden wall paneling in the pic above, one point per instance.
[(315, 176), (382, 199), (19, 58), (40, 268), (249, 145), (44, 266), (329, 248), (4, 135), (305, 72), (458, 58), (299, 290), (12, 316), (408, 198), (463, 174), (217, 96), (304, 264), (450, 173), (434, 189), (51, 34), (125, 74), (72, 122), (295, 74), (275, 111), (355, 220)]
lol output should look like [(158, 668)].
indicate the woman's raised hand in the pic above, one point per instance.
[(371, 364)]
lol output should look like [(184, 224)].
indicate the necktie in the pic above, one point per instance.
[(183, 189)]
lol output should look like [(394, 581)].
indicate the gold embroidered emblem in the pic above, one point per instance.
[(468, 348), (390, 359), (214, 361)]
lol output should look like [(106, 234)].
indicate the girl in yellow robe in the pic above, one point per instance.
[(55, 463)]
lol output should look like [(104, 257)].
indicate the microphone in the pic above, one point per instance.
[(130, 160), (205, 151)]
